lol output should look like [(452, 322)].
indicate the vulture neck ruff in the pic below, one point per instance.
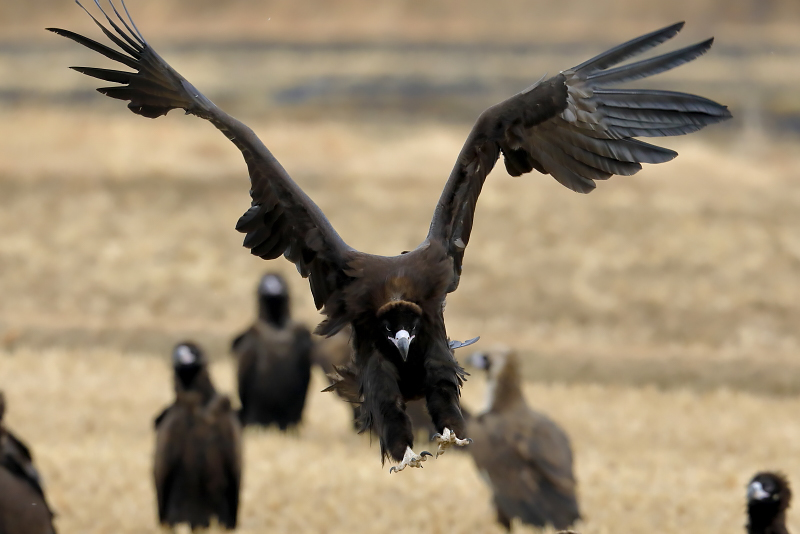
[(503, 389)]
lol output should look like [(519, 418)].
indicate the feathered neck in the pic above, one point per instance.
[(194, 378), (274, 310), (504, 390), (766, 518)]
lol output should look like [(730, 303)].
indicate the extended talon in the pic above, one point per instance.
[(447, 440), (410, 459)]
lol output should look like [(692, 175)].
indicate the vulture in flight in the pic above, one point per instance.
[(523, 455), (198, 459), (334, 352), (576, 126), (768, 498), (23, 506), (274, 360)]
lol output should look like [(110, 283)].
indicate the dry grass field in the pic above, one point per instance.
[(657, 317), (647, 461)]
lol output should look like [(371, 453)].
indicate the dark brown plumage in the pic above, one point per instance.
[(768, 498), (198, 459), (274, 360), (23, 506), (524, 456), (572, 126)]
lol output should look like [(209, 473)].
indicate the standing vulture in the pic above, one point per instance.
[(768, 498), (198, 460), (23, 507), (525, 457), (576, 126), (274, 360)]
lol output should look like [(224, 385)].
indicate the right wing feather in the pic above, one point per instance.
[(282, 219)]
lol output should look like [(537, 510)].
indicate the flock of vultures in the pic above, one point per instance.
[(387, 350)]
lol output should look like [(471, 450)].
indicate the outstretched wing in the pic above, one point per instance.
[(282, 219), (574, 128)]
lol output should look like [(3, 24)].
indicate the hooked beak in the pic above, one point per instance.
[(478, 360), (183, 356), (402, 339), (756, 492)]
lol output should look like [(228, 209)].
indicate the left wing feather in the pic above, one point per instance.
[(574, 128)]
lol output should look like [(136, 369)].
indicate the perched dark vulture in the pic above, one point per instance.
[(523, 455), (23, 506), (768, 498), (274, 360), (198, 460), (575, 126)]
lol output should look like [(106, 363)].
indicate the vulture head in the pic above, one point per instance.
[(768, 497), (187, 360), (273, 300), (503, 387), (496, 362), (401, 322)]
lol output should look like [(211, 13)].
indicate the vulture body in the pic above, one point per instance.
[(768, 498), (575, 126), (198, 459), (23, 506), (335, 353), (524, 456), (274, 361)]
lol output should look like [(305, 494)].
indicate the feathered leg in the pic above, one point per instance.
[(442, 391), (383, 408)]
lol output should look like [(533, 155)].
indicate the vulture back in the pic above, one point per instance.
[(274, 370), (23, 506), (198, 456), (524, 456)]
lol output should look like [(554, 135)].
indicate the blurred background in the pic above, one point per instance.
[(656, 318)]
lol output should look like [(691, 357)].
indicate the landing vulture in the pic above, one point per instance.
[(23, 506), (575, 126), (768, 498), (198, 459), (524, 456), (333, 353), (274, 360)]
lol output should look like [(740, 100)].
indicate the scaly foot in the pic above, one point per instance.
[(447, 439), (410, 459)]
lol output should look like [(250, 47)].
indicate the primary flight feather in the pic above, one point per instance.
[(574, 126)]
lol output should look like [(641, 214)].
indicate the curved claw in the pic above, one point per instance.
[(447, 439), (410, 459)]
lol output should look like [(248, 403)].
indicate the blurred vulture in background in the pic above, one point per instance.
[(198, 461), (768, 498), (576, 126), (523, 455), (23, 507), (274, 360)]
